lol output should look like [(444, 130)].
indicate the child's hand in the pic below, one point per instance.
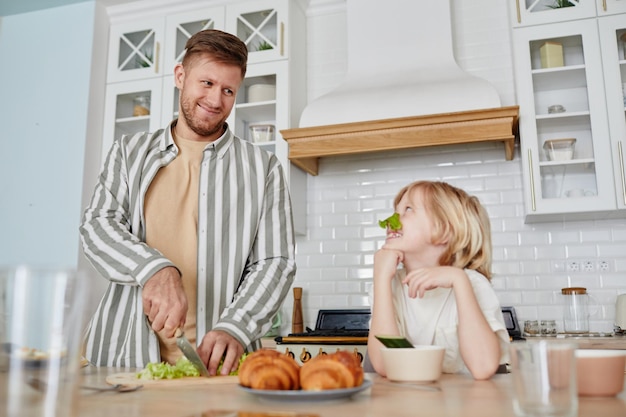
[(386, 262), (424, 279)]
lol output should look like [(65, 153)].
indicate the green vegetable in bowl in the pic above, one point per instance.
[(392, 222)]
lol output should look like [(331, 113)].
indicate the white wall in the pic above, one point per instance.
[(352, 193), (45, 64)]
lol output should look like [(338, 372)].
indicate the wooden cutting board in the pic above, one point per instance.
[(130, 379)]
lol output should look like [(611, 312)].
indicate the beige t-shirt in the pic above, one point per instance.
[(171, 211)]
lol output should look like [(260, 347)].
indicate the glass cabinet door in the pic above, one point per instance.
[(259, 112), (261, 25), (562, 120), (533, 12), (613, 40), (135, 50), (130, 108), (180, 27)]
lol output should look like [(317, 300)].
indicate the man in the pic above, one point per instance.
[(191, 225)]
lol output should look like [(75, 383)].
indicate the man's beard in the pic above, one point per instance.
[(204, 130)]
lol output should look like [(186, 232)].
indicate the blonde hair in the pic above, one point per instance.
[(459, 221)]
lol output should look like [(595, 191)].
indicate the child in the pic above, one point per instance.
[(442, 295)]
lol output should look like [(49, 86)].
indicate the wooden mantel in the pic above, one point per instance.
[(308, 144)]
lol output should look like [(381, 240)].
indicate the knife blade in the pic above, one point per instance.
[(190, 353)]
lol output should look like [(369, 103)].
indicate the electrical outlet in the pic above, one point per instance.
[(573, 266), (603, 266), (587, 266)]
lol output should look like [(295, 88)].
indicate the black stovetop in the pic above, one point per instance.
[(339, 323)]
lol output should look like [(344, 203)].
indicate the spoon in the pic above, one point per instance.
[(116, 387), (41, 386)]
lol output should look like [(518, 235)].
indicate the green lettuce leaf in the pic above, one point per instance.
[(392, 222), (182, 368), (164, 370)]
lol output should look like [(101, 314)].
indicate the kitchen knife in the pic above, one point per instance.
[(190, 353)]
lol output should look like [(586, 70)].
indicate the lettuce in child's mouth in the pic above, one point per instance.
[(392, 222)]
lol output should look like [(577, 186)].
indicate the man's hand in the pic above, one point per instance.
[(164, 301), (216, 345)]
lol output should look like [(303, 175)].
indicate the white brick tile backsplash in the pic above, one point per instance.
[(582, 251)]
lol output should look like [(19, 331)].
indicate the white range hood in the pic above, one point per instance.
[(400, 63), (403, 89)]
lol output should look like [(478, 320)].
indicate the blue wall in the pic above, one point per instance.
[(45, 64)]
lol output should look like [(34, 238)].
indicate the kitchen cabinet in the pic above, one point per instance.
[(273, 94), (144, 50), (181, 26), (607, 7), (131, 107), (612, 31), (266, 27), (568, 101), (534, 12), (135, 50)]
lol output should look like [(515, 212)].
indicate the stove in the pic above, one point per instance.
[(343, 329)]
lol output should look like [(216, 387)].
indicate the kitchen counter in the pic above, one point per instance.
[(611, 342), (458, 395)]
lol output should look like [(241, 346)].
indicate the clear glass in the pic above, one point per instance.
[(544, 378), (548, 328), (576, 313), (41, 324), (531, 328)]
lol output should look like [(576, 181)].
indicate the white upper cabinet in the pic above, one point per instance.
[(263, 26), (571, 164), (180, 27), (613, 40), (131, 107), (535, 12), (141, 95), (135, 50), (607, 7)]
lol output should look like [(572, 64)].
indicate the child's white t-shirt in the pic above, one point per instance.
[(433, 319)]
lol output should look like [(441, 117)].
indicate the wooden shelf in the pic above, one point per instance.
[(308, 144)]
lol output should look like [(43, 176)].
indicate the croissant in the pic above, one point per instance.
[(341, 369), (268, 369)]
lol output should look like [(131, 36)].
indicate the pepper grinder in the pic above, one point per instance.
[(297, 324)]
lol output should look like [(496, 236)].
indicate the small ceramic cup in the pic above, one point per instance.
[(600, 372)]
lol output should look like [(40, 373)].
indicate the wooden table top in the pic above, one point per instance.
[(457, 395)]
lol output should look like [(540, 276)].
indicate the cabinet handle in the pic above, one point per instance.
[(156, 62), (621, 169), (532, 180), (604, 5), (519, 15), (282, 38)]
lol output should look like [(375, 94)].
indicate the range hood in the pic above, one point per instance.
[(403, 89)]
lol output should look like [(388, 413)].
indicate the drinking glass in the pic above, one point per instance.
[(41, 323), (544, 377)]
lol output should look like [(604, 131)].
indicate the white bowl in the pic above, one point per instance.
[(420, 363), (600, 372), (261, 92)]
